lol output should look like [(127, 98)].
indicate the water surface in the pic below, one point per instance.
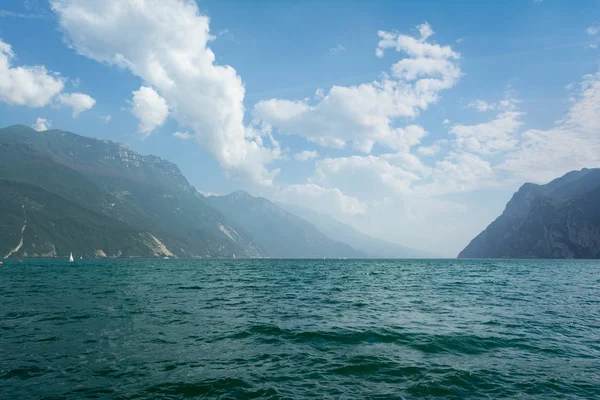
[(162, 329)]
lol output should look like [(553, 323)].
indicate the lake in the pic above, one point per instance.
[(353, 329)]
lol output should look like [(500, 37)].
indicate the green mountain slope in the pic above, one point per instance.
[(37, 223), (280, 233), (557, 220), (144, 192)]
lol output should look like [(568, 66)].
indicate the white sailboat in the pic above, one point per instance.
[(71, 257), (234, 256)]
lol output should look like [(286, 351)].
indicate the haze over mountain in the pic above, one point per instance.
[(558, 220), (62, 192), (280, 233), (416, 127), (368, 245)]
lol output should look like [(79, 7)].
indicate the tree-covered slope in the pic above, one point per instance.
[(37, 223), (144, 192)]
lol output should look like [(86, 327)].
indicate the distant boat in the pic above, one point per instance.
[(234, 257), (71, 259)]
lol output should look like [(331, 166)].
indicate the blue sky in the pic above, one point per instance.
[(478, 98)]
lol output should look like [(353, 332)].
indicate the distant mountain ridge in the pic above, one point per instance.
[(62, 192), (367, 245), (558, 220), (281, 233)]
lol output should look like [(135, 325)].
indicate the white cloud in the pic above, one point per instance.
[(428, 150), (446, 121), (32, 86), (482, 106), (573, 143), (106, 118), (368, 177), (149, 108), (365, 114), (458, 172), (12, 14), (416, 47), (497, 135), (391, 175), (79, 102), (334, 51), (35, 86), (593, 46), (315, 197), (593, 30), (42, 124), (183, 135), (425, 30), (306, 155), (178, 65)]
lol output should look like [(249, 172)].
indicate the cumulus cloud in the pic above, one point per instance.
[(178, 65), (334, 51), (42, 124), (593, 30), (331, 201), (432, 150), (106, 118), (457, 172), (482, 106), (493, 136), (366, 114), (573, 142), (79, 102), (149, 108), (369, 177), (32, 86), (35, 86), (182, 135), (306, 155)]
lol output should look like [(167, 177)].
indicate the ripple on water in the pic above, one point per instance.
[(148, 329)]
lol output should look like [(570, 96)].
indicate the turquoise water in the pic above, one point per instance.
[(300, 329)]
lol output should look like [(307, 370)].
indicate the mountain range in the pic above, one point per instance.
[(367, 245), (61, 192), (558, 220)]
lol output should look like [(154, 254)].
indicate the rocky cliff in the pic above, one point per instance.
[(558, 220)]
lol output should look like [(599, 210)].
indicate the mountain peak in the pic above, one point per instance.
[(240, 194)]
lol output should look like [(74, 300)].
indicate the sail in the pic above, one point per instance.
[(71, 257)]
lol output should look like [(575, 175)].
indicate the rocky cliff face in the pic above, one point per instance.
[(557, 220)]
